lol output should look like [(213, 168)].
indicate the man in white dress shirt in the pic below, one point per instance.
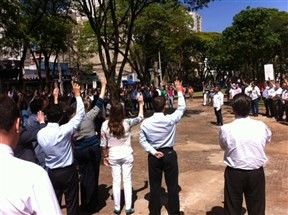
[(25, 187), (55, 141), (243, 141), (218, 101)]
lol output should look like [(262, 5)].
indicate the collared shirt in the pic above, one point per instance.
[(265, 93), (234, 91), (243, 141), (255, 94), (25, 187), (159, 130), (278, 91), (284, 91), (119, 147), (55, 140), (218, 100), (285, 97), (271, 92)]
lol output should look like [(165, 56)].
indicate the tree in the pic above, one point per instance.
[(83, 44), (279, 24), (251, 40), (159, 29), (113, 23), (18, 20)]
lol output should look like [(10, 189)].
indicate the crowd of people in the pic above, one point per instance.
[(274, 97), (67, 138)]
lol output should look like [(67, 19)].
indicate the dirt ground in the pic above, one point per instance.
[(201, 166)]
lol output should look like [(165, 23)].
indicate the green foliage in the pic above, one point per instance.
[(251, 40)]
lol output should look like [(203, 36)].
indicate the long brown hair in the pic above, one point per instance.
[(116, 118)]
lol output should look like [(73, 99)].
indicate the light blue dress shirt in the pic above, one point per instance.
[(55, 140), (159, 130)]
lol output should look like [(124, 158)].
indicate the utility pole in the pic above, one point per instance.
[(160, 68)]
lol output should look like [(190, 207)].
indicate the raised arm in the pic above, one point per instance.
[(80, 112), (56, 95), (140, 117), (176, 116), (28, 136), (95, 110)]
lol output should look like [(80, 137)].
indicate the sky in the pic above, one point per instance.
[(219, 14)]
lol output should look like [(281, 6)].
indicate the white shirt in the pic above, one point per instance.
[(278, 92), (159, 130), (271, 92), (255, 94), (218, 100), (119, 147), (25, 187), (243, 141), (55, 140)]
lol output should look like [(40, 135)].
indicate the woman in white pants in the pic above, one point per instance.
[(118, 153)]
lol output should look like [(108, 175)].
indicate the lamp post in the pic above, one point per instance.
[(160, 68)]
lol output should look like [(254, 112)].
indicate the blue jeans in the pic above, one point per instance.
[(255, 107)]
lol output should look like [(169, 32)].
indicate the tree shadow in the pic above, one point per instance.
[(218, 210)]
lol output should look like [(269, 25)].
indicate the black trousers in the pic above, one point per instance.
[(271, 107), (267, 109), (218, 116), (88, 159), (251, 183), (277, 106), (169, 165), (65, 181)]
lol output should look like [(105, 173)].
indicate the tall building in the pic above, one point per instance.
[(197, 21)]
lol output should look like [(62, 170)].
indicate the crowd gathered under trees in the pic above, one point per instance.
[(273, 93), (150, 28)]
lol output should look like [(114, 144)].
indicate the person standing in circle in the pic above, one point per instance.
[(243, 141), (118, 153)]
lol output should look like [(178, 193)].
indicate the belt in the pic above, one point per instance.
[(65, 167), (165, 148), (231, 168)]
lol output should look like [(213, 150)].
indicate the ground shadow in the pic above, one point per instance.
[(134, 193), (187, 113), (103, 194), (213, 123), (283, 123), (164, 197), (218, 210)]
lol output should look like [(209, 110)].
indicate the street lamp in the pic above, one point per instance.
[(160, 68)]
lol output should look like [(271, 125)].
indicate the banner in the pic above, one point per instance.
[(269, 72)]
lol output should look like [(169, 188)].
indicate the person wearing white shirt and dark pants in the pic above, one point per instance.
[(157, 137), (255, 95), (244, 141), (55, 141), (25, 187), (218, 101)]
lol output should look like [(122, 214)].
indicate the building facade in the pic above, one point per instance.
[(197, 27)]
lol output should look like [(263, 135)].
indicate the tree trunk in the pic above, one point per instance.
[(23, 57)]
